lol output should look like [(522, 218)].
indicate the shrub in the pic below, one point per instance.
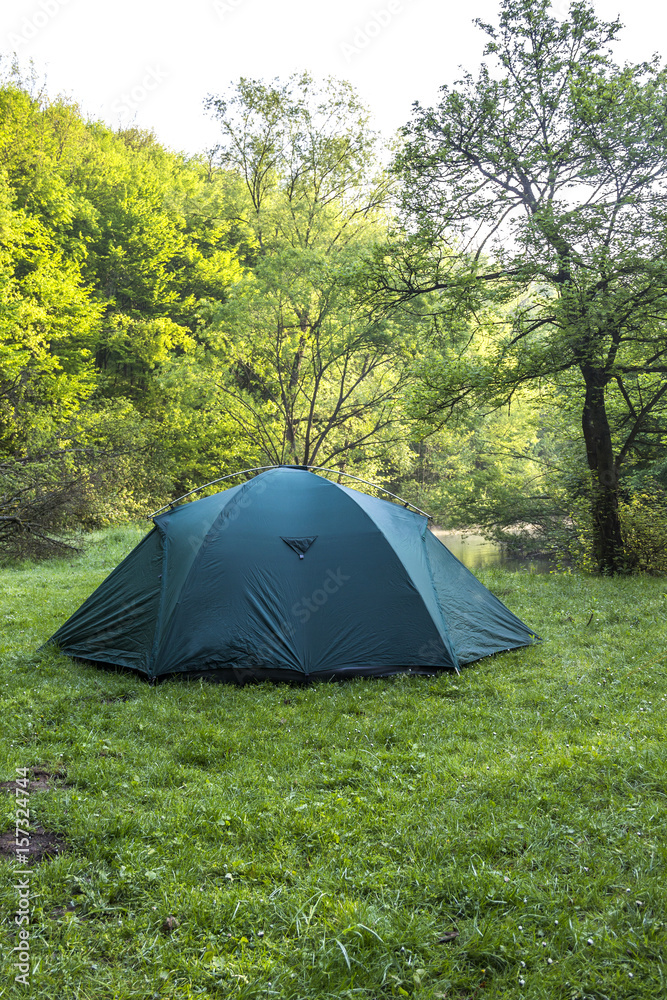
[(644, 528)]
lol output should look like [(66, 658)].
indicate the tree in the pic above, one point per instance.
[(541, 183), (48, 321), (293, 356), (109, 244)]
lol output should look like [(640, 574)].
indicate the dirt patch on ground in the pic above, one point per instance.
[(42, 779), (43, 844)]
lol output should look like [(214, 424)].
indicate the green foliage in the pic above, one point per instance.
[(542, 180), (168, 320), (110, 249), (47, 327), (37, 505), (321, 842), (106, 465), (165, 321), (644, 525), (294, 358)]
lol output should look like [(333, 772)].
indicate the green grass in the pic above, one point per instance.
[(318, 842)]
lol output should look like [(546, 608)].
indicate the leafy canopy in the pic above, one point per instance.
[(295, 360), (541, 184)]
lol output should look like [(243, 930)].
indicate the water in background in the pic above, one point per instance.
[(477, 552)]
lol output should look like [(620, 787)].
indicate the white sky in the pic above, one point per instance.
[(152, 62)]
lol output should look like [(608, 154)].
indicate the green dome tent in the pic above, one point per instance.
[(290, 576)]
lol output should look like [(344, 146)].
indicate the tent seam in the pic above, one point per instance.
[(158, 629), (158, 620), (448, 644), (457, 662)]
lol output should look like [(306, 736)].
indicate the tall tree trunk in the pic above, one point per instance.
[(289, 397), (607, 540)]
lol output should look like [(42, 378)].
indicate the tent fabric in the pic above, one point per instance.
[(293, 576)]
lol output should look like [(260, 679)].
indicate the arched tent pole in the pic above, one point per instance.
[(265, 468), (336, 472), (198, 489)]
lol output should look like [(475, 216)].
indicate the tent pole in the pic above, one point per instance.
[(337, 472), (264, 468), (198, 489)]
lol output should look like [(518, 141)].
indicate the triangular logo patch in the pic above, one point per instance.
[(300, 545)]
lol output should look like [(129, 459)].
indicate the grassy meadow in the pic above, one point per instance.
[(498, 834)]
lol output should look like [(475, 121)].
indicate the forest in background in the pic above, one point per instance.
[(296, 295)]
